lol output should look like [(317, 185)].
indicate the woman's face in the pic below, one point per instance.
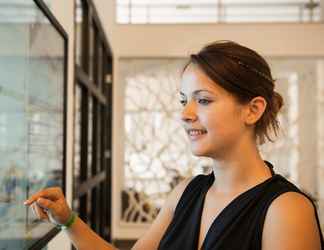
[(210, 115)]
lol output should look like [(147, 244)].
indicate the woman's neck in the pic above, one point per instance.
[(240, 170)]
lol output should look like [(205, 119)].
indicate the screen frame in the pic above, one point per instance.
[(39, 244)]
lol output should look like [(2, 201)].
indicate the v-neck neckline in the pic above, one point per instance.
[(210, 181)]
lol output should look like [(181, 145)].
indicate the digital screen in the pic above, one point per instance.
[(32, 83)]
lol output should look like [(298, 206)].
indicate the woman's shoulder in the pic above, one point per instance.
[(288, 198), (292, 219), (291, 200), (286, 188)]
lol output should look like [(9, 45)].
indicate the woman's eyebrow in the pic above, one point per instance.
[(196, 92)]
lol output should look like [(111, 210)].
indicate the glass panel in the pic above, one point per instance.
[(20, 11), (194, 11), (31, 118), (91, 50), (77, 135), (78, 31)]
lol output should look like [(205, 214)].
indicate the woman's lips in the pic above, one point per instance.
[(196, 136)]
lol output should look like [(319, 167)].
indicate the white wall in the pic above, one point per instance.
[(63, 11)]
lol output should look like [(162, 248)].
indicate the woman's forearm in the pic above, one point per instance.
[(83, 238), (50, 204)]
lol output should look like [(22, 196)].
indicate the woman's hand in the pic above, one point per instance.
[(50, 204)]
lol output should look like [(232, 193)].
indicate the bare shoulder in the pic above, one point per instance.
[(290, 224)]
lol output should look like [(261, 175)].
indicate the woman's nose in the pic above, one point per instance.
[(188, 113)]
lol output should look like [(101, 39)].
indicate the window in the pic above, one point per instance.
[(216, 11)]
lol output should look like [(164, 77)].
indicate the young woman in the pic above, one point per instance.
[(229, 107)]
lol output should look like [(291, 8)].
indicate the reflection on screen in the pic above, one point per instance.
[(31, 119)]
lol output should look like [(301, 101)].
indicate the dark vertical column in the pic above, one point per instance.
[(108, 84), (94, 196), (84, 150)]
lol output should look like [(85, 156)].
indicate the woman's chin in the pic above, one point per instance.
[(202, 150), (198, 152)]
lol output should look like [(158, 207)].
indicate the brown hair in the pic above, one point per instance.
[(245, 74)]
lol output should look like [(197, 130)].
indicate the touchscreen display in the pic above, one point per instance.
[(32, 83)]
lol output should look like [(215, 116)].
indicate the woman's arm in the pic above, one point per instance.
[(83, 238), (51, 201), (290, 224)]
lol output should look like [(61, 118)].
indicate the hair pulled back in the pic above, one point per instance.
[(245, 74)]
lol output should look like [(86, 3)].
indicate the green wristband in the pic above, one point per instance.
[(69, 222)]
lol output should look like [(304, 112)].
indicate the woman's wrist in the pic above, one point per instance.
[(70, 221)]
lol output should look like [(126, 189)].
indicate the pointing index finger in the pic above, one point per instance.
[(52, 193)]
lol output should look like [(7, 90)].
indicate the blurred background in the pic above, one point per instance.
[(100, 116)]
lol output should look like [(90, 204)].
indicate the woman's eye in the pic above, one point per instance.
[(183, 102), (203, 101)]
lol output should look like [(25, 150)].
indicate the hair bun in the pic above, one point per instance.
[(278, 101)]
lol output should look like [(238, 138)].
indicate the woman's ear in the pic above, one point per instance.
[(254, 110)]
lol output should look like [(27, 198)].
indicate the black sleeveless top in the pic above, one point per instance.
[(238, 226)]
